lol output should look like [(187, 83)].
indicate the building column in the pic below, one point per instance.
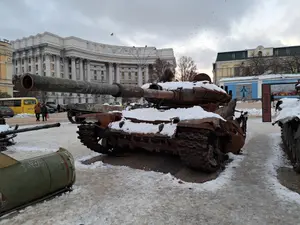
[(66, 68), (117, 73), (25, 64), (147, 74), (40, 63), (140, 76), (57, 71), (48, 64), (81, 74), (81, 69), (57, 65), (110, 73), (33, 63), (88, 70), (88, 79), (73, 68)]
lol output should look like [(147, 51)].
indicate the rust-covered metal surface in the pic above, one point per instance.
[(201, 144), (172, 98)]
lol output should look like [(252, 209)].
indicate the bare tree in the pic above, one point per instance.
[(258, 65), (159, 68), (187, 68), (167, 76)]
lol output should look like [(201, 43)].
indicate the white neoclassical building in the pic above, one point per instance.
[(73, 58)]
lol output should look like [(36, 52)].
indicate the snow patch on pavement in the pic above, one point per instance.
[(276, 161), (23, 115)]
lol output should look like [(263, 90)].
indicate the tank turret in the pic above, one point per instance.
[(173, 94)]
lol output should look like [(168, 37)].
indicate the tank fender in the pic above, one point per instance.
[(103, 118), (211, 123)]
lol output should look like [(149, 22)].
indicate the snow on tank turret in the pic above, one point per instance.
[(194, 120)]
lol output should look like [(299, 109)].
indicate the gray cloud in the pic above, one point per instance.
[(156, 22)]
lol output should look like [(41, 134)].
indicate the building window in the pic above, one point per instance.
[(16, 70), (29, 68), (44, 74), (22, 61), (52, 74), (102, 78), (36, 58), (16, 62), (95, 72), (61, 75), (102, 72), (79, 100), (52, 58), (36, 67), (143, 73), (29, 60), (22, 69), (95, 77), (129, 76), (70, 76), (43, 58), (52, 66), (123, 76), (44, 66), (70, 70)]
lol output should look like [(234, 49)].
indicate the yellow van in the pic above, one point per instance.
[(20, 105)]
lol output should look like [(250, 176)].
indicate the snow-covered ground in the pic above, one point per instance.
[(23, 115), (106, 194), (255, 112)]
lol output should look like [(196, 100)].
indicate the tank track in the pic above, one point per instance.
[(201, 150), (291, 145), (198, 149), (88, 136)]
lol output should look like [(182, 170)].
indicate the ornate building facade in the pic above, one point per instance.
[(6, 67), (73, 58)]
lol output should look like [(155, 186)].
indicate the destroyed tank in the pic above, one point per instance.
[(288, 119), (194, 120)]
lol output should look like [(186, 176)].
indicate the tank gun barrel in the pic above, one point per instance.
[(32, 82), (154, 94), (41, 127)]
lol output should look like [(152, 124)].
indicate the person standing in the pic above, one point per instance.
[(58, 108), (44, 112), (37, 110)]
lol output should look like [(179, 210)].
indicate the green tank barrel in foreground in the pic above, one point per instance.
[(41, 127), (33, 180), (155, 93)]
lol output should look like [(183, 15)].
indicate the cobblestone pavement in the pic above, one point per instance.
[(121, 195)]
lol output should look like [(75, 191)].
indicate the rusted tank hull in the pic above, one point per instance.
[(290, 134), (202, 147)]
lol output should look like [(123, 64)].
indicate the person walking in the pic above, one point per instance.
[(44, 111), (37, 110), (58, 108)]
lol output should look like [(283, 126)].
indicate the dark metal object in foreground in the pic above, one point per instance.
[(6, 137), (29, 181)]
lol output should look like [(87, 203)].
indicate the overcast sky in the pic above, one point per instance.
[(196, 28)]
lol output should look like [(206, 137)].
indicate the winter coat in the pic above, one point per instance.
[(37, 108), (44, 110)]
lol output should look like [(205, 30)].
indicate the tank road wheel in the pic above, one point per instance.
[(92, 136), (201, 150)]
